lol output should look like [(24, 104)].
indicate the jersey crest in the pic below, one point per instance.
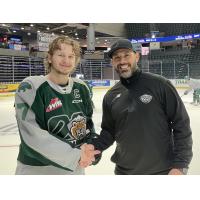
[(72, 129)]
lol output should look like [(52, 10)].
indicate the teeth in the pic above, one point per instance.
[(124, 66)]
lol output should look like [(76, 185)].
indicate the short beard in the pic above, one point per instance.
[(64, 73), (127, 74)]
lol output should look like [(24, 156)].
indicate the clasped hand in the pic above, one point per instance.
[(87, 155)]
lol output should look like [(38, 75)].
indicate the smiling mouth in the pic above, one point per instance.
[(123, 68)]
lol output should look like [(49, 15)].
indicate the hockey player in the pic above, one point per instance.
[(54, 116), (194, 85)]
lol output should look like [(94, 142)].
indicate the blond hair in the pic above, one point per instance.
[(55, 45)]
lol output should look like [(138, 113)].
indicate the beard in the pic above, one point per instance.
[(69, 71), (126, 73)]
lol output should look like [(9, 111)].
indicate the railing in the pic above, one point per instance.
[(15, 69), (171, 69)]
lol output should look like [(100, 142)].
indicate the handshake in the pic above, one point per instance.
[(87, 155)]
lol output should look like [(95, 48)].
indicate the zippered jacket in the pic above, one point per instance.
[(146, 117)]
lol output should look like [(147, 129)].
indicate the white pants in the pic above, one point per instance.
[(23, 169)]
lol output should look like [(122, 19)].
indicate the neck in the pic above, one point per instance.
[(58, 79)]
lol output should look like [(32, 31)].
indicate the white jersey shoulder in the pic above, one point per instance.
[(35, 81)]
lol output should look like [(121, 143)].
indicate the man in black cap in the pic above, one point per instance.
[(146, 117)]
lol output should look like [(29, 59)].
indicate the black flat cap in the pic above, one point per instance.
[(120, 44)]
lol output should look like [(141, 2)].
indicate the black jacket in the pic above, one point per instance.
[(148, 120)]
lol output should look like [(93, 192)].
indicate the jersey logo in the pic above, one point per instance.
[(54, 104), (77, 101), (145, 98), (77, 127), (72, 129), (76, 93), (117, 96), (77, 96), (24, 86)]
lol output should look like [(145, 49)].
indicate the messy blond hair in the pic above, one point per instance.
[(55, 45)]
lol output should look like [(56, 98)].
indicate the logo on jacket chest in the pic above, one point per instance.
[(145, 98)]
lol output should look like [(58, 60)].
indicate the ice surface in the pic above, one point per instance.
[(9, 137)]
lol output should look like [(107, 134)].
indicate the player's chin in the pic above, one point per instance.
[(68, 71)]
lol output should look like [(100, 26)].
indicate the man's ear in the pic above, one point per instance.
[(137, 56)]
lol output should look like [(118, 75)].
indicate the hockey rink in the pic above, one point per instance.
[(9, 137)]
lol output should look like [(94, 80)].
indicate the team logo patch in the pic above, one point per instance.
[(54, 104), (72, 129), (77, 127), (145, 98), (24, 86)]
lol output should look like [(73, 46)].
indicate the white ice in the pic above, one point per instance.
[(9, 137)]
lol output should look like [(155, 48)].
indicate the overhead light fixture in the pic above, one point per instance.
[(14, 31), (38, 31), (48, 28), (22, 28), (76, 33), (31, 25), (62, 31), (28, 33)]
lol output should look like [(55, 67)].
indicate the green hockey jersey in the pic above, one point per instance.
[(53, 121)]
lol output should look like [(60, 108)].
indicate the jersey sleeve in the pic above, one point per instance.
[(38, 142)]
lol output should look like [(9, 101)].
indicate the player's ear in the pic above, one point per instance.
[(49, 58)]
